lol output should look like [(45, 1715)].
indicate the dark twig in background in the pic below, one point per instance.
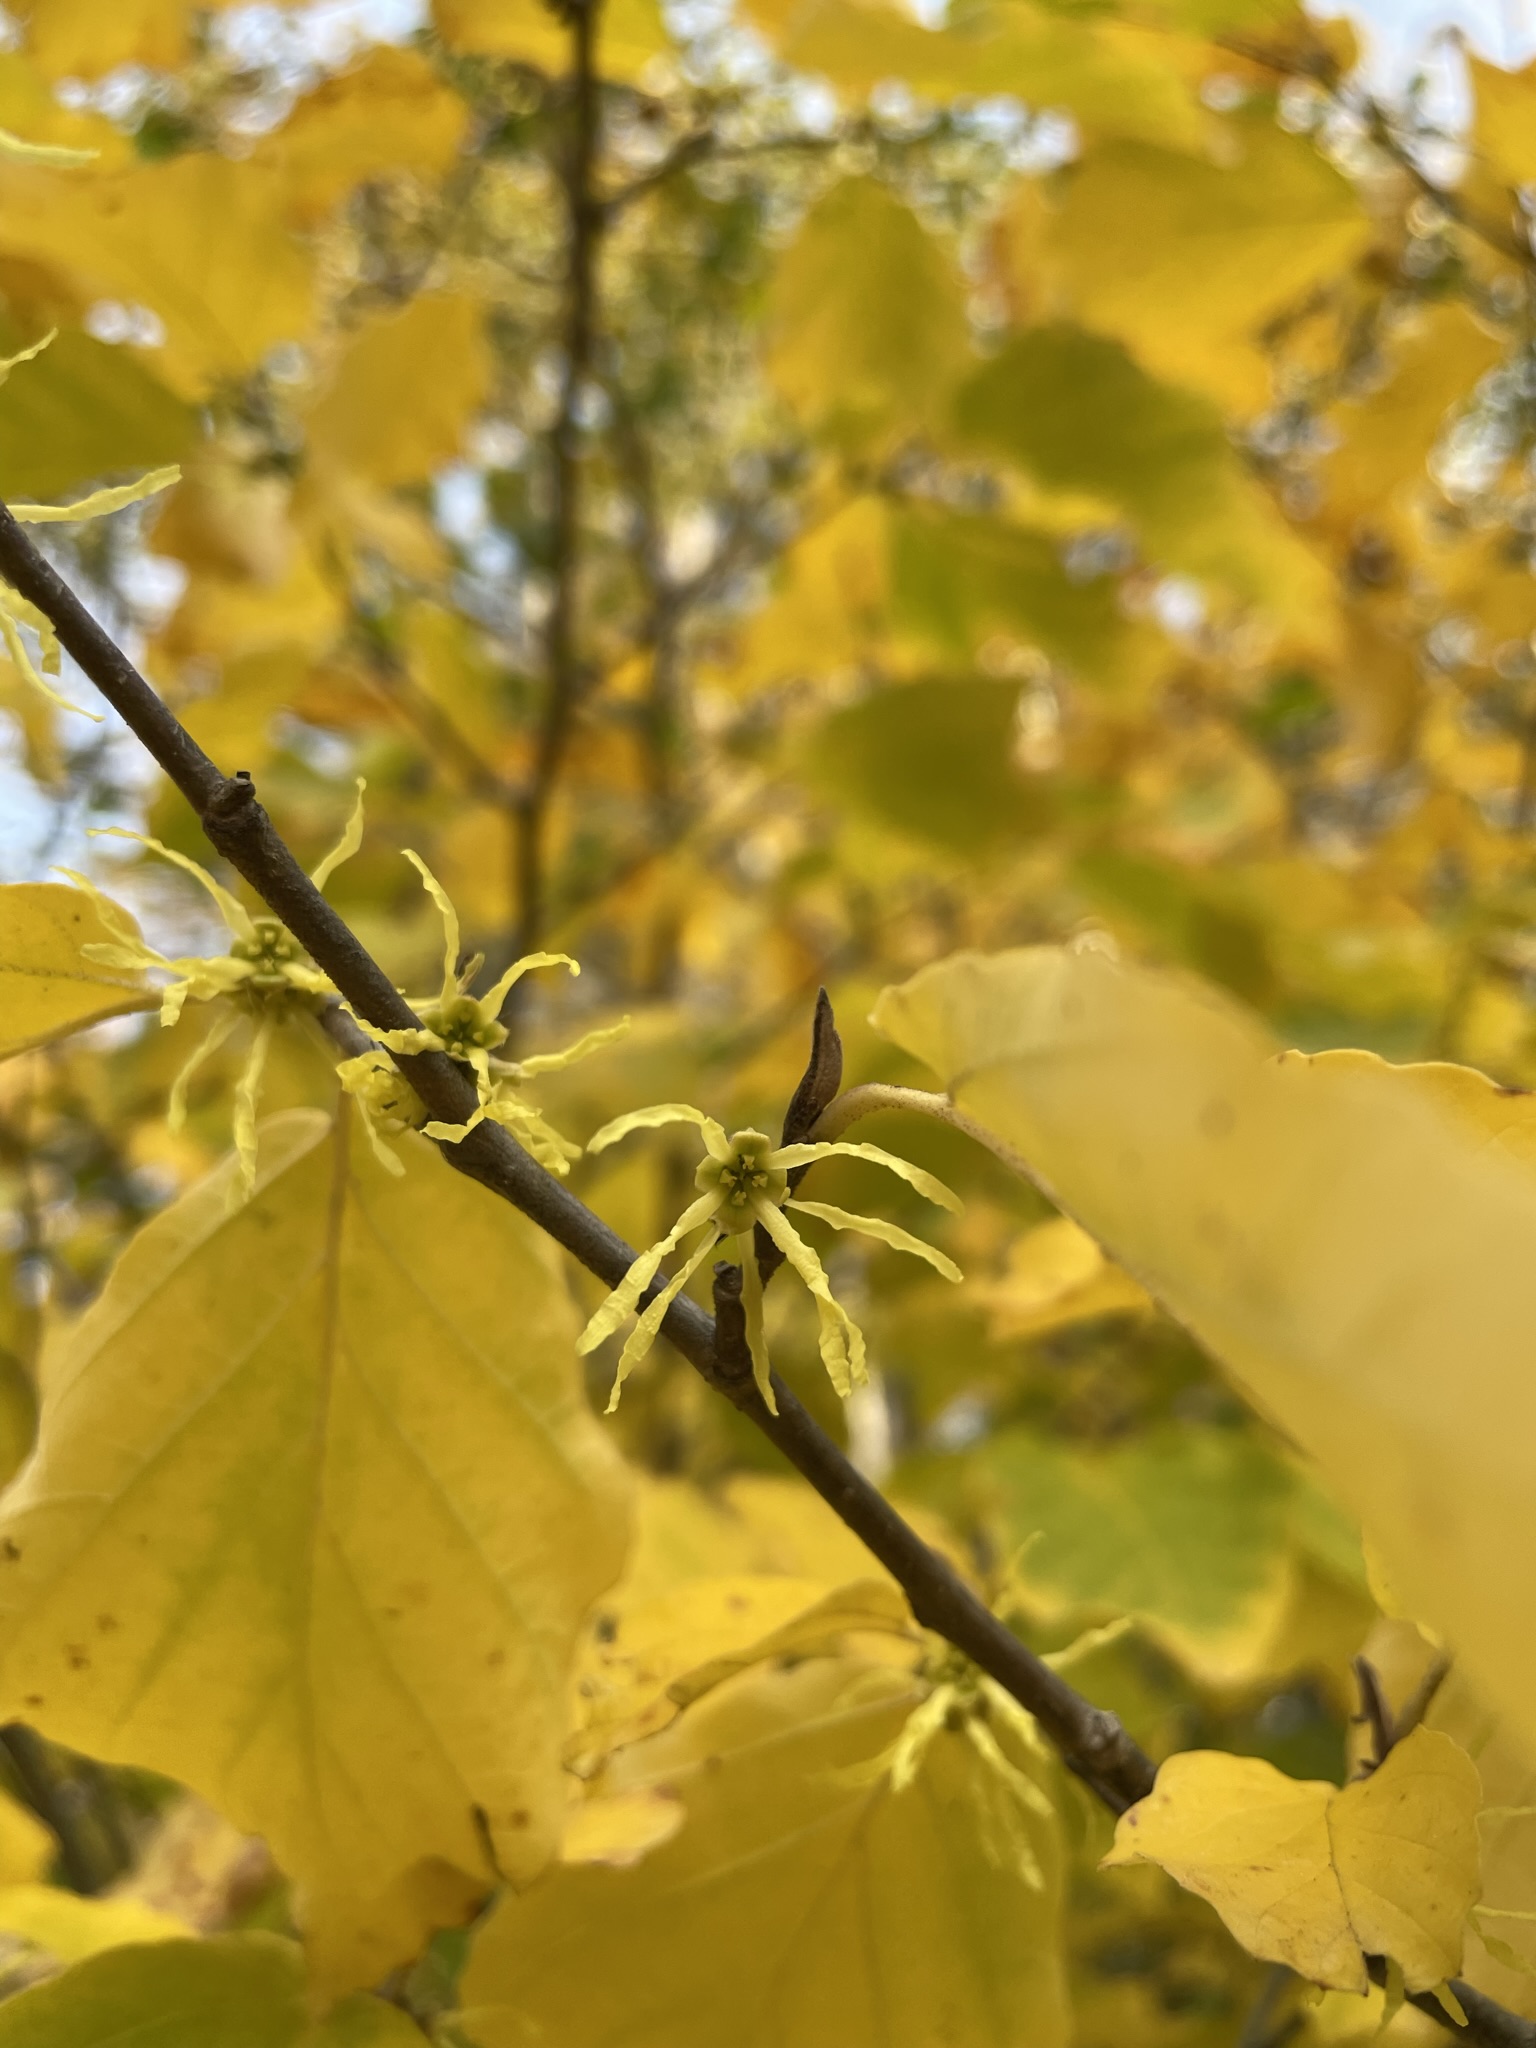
[(562, 663)]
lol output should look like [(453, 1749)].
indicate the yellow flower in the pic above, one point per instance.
[(744, 1181), (264, 976), (469, 1029)]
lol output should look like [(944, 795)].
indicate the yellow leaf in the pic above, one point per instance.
[(404, 390), (245, 1989), (48, 987), (1056, 1275), (1318, 1878), (1338, 1235), (643, 1661), (69, 1928), (1184, 259), (1255, 1843), (866, 322), (618, 1830), (185, 238), (1405, 1846), (1504, 126), (1112, 80), (81, 39), (630, 33), (310, 1527), (392, 112), (802, 1898), (27, 1848)]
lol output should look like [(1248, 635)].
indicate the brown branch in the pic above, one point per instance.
[(1091, 1742), (562, 666)]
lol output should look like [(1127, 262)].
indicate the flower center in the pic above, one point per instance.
[(463, 1026), (747, 1173), (270, 953)]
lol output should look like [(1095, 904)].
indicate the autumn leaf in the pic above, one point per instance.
[(304, 1530), (48, 985), (1320, 1878)]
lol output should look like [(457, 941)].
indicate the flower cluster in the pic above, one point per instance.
[(744, 1181), (468, 1029), (265, 978)]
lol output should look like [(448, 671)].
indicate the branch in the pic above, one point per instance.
[(1091, 1742), (585, 212)]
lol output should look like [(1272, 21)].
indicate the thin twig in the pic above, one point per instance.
[(562, 664)]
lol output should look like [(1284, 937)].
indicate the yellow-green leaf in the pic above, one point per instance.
[(803, 1904), (402, 393), (236, 1991), (1186, 1530), (1504, 124), (1077, 415), (1338, 1234), (311, 1524), (866, 321), (47, 986), (1319, 1878), (1184, 258)]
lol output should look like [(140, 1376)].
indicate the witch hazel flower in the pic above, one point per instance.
[(265, 978), (468, 1029), (744, 1181)]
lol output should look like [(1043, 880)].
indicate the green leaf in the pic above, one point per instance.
[(956, 580), (1185, 1530), (804, 1904), (311, 1525), (47, 986), (1074, 412), (84, 410), (935, 760), (236, 1991)]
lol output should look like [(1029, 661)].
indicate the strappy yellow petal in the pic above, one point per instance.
[(450, 917), (645, 1332), (493, 999), (247, 1096), (888, 1233), (839, 1338), (231, 909), (20, 152), (552, 1062), (351, 839), (16, 647), (791, 1156), (213, 1038), (26, 355), (611, 1311), (757, 1336), (99, 503), (715, 1141)]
